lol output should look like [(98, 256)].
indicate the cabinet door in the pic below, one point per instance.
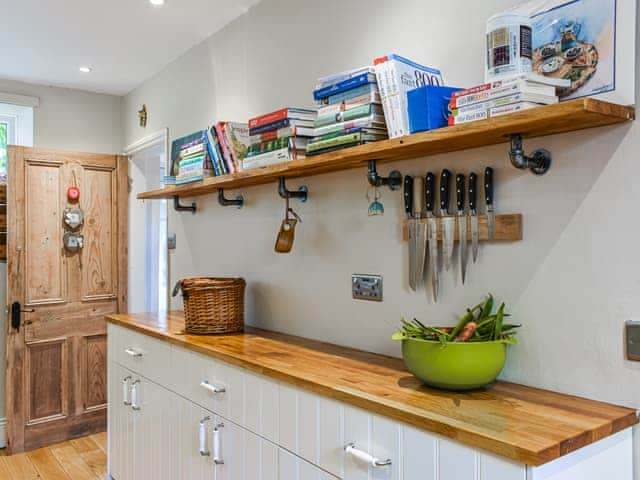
[(120, 430), (151, 430), (291, 467)]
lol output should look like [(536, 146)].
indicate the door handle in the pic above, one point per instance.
[(134, 395), (131, 352), (212, 388), (365, 457), (126, 392), (16, 315), (217, 458), (202, 437)]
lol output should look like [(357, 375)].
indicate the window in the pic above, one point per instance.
[(16, 128)]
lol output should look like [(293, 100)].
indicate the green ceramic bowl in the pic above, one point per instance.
[(456, 366)]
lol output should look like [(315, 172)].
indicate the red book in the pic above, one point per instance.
[(268, 118)]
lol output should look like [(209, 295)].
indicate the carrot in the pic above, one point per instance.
[(467, 332)]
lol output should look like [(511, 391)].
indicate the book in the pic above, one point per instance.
[(272, 135), (506, 100), (368, 89), (237, 138), (224, 148), (365, 122), (181, 180), (350, 114), (367, 133), (341, 76), (287, 112), (333, 149), (178, 144), (268, 158), (214, 151), (263, 147), (514, 107), (285, 122), (366, 99), (343, 85), (395, 76), (193, 149), (349, 138), (168, 180), (488, 91), (468, 117)]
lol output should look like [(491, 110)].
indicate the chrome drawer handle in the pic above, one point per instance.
[(212, 388), (202, 437), (351, 449), (134, 395), (216, 445), (131, 352), (126, 391)]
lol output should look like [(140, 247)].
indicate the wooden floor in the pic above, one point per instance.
[(80, 459)]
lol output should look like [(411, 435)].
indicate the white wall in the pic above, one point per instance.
[(572, 281), (67, 120)]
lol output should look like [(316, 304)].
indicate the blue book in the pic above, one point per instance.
[(344, 86), (428, 107), (213, 154), (285, 122), (368, 89)]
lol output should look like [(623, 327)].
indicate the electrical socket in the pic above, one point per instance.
[(632, 339), (366, 287)]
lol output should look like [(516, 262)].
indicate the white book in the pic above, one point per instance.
[(508, 88), (371, 121), (266, 159), (507, 100), (515, 107)]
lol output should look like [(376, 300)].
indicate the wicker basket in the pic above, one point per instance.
[(212, 305)]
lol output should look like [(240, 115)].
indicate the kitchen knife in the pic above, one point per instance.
[(421, 230), (432, 230), (488, 193), (411, 226), (473, 214), (448, 221), (462, 223)]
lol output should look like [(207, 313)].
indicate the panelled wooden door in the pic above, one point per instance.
[(57, 354)]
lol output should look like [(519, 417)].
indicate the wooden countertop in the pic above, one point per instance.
[(525, 424)]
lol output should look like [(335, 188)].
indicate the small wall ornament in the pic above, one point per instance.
[(142, 116)]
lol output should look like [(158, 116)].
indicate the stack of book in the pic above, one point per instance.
[(500, 98), (228, 143), (278, 137), (193, 160), (349, 111)]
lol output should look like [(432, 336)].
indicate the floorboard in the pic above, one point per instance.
[(79, 459)]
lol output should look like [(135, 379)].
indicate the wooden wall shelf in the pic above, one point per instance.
[(508, 228), (548, 120)]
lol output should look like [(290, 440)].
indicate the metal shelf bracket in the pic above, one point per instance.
[(393, 181), (183, 208), (539, 162), (301, 194), (238, 202)]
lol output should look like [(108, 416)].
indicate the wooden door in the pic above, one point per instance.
[(57, 354)]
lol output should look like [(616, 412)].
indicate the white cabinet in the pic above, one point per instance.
[(295, 468)]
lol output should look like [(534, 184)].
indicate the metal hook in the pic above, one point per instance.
[(238, 202), (284, 193), (539, 162), (183, 208), (393, 181)]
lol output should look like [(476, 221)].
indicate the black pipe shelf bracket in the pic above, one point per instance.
[(237, 202), (538, 162), (301, 194), (393, 181), (183, 208)]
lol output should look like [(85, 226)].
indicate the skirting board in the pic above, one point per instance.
[(3, 432)]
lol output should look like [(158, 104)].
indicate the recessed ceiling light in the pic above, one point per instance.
[(157, 3), (85, 69)]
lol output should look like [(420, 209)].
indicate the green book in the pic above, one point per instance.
[(270, 146), (335, 142), (343, 116)]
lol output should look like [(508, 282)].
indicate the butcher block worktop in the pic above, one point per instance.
[(529, 425)]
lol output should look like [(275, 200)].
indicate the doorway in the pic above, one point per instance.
[(148, 229)]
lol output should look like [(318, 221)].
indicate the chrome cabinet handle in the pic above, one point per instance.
[(125, 390), (212, 388), (202, 437), (131, 352), (365, 457), (134, 395), (217, 458)]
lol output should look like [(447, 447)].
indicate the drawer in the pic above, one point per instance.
[(140, 353)]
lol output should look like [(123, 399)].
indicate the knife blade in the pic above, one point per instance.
[(488, 193), (473, 214), (421, 229), (411, 226), (448, 221), (462, 223), (432, 230)]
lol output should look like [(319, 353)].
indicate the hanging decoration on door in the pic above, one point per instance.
[(73, 192), (73, 242), (73, 217)]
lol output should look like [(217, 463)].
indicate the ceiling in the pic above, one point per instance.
[(124, 41)]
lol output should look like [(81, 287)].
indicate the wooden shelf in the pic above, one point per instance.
[(508, 228), (548, 120)]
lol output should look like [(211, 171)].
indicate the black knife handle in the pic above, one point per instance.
[(460, 192), (445, 190), (488, 185), (429, 191), (408, 195), (473, 191)]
